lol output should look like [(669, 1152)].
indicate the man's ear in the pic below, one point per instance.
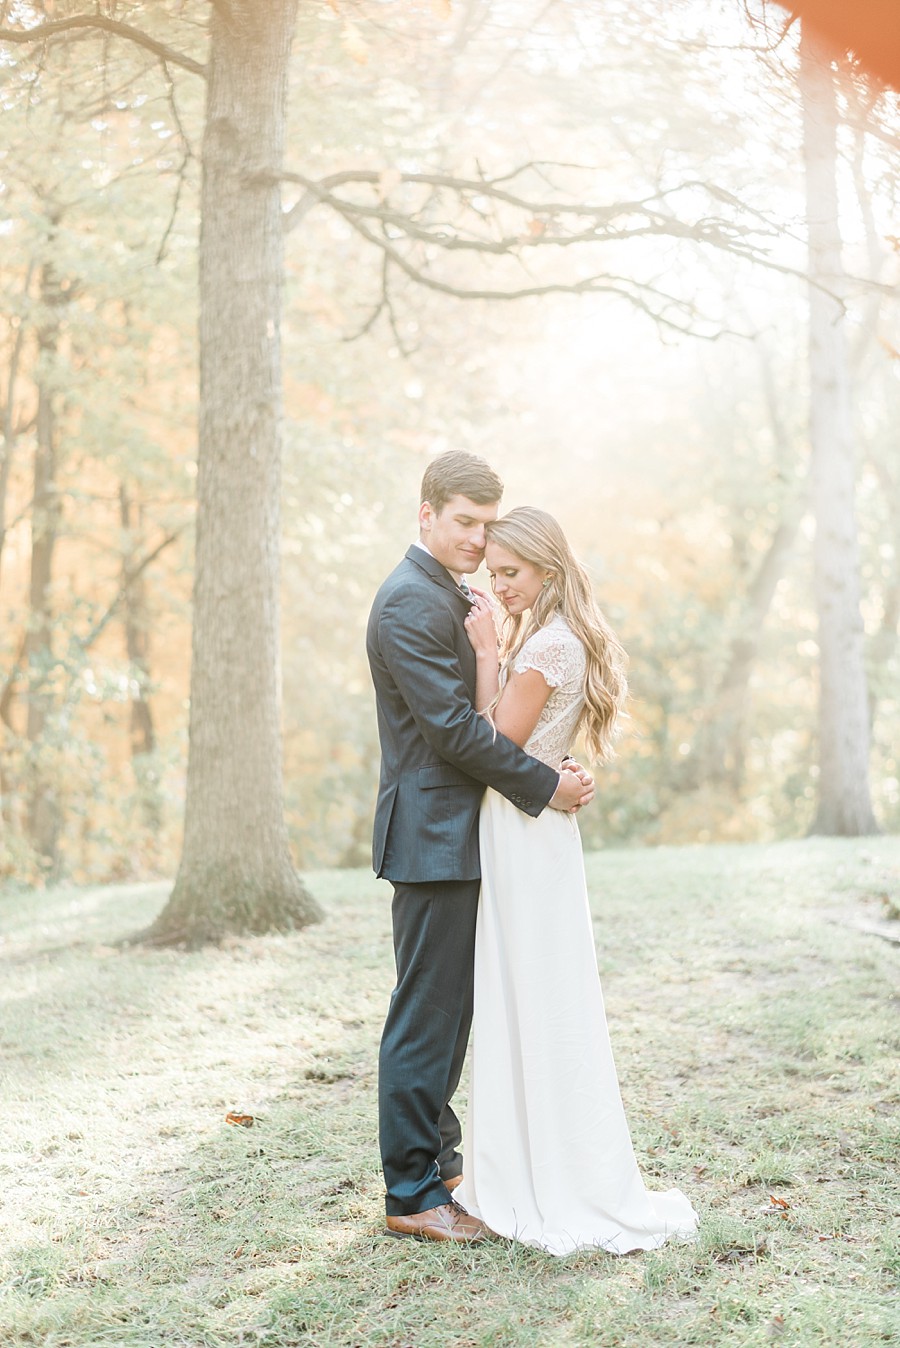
[(426, 516)]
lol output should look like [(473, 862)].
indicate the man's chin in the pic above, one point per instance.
[(470, 564)]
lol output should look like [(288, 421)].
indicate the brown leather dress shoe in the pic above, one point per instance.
[(448, 1222), (453, 1183)]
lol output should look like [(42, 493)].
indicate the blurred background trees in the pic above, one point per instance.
[(653, 391)]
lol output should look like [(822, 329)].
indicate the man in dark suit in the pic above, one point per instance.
[(437, 756)]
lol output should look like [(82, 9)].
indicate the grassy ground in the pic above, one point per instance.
[(756, 1036)]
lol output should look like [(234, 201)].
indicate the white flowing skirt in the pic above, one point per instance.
[(548, 1154)]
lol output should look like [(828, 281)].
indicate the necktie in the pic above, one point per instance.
[(464, 587)]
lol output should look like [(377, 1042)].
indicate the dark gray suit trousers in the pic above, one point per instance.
[(424, 1041)]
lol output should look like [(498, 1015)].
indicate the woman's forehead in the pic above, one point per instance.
[(497, 556)]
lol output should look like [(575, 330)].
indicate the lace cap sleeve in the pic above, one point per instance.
[(554, 652)]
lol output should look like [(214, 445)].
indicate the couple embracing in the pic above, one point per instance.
[(490, 903)]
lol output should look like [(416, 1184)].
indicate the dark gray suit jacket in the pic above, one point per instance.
[(437, 753)]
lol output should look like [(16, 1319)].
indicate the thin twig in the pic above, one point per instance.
[(186, 156)]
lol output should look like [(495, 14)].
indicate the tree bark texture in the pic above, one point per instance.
[(844, 799), (236, 873)]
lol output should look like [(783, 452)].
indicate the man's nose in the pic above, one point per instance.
[(477, 539)]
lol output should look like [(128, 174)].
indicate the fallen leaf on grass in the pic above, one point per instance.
[(779, 1205), (891, 902), (699, 1171), (775, 1327), (242, 1120), (739, 1250)]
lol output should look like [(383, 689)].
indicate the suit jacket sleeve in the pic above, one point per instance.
[(426, 669)]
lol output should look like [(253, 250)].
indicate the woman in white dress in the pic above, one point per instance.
[(548, 1154)]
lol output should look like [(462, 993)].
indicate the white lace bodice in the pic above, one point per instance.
[(556, 652)]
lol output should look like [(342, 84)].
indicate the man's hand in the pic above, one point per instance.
[(576, 788)]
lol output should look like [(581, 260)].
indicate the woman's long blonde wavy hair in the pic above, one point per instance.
[(535, 537)]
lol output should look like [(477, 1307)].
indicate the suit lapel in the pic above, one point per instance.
[(436, 572)]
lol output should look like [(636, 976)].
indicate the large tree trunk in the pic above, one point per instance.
[(43, 810), (236, 873), (844, 801)]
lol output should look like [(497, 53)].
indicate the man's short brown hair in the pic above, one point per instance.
[(458, 473)]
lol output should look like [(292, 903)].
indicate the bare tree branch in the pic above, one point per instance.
[(542, 227), (52, 27), (84, 644), (604, 223), (382, 304), (322, 189), (544, 223), (646, 297), (128, 579), (186, 156)]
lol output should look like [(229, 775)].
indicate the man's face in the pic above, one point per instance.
[(455, 535)]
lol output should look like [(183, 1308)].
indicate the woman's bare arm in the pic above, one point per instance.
[(482, 633), (524, 698)]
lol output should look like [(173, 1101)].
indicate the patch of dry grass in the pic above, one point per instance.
[(756, 1038)]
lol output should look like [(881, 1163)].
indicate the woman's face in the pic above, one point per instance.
[(515, 582)]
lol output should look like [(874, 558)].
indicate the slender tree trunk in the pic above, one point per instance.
[(844, 800), (236, 873), (137, 644), (10, 431), (43, 811), (885, 641), (719, 748), (718, 753)]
